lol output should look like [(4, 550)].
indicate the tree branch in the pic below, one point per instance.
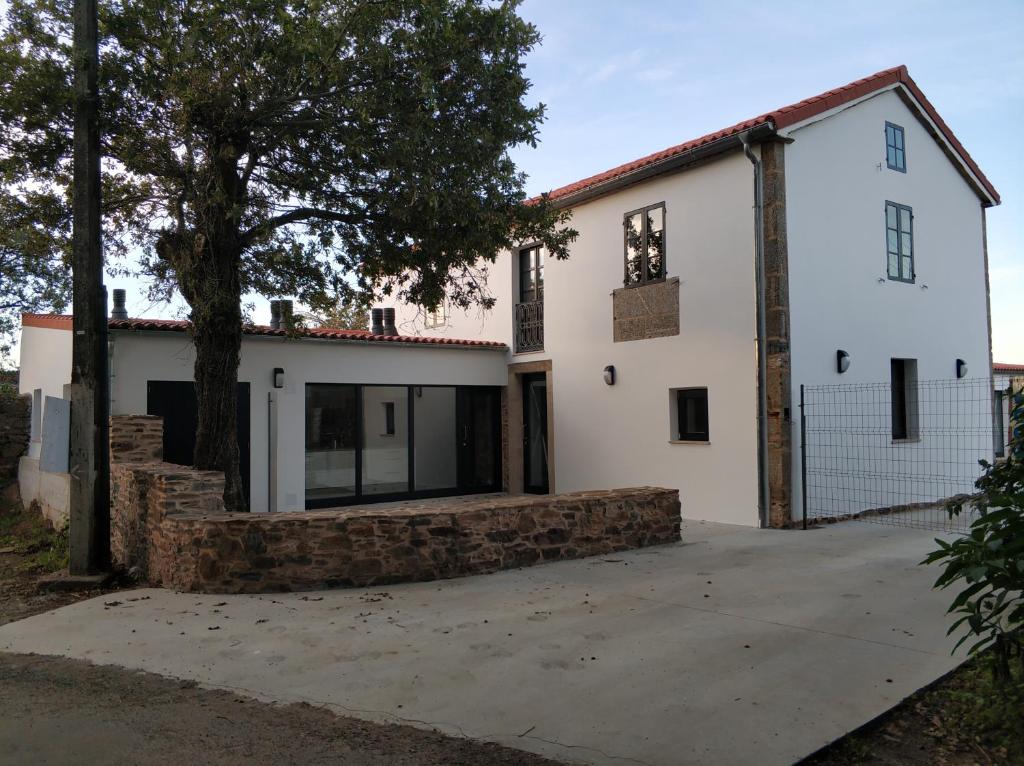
[(298, 215)]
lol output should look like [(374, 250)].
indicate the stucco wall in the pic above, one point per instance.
[(45, 360), (619, 435), (139, 357), (837, 184)]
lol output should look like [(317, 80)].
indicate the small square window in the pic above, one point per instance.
[(895, 148), (690, 415)]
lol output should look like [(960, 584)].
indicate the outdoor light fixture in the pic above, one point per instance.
[(609, 375), (961, 368), (842, 361), (278, 377)]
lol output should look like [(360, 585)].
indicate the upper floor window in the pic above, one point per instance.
[(899, 241), (436, 317), (531, 274), (645, 244), (895, 151)]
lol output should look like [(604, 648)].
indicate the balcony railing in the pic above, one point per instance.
[(529, 328)]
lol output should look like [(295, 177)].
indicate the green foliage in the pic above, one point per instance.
[(310, 141), (34, 250), (989, 561), (26, 531), (309, 148), (350, 313)]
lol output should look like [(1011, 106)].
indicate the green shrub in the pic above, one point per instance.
[(989, 561)]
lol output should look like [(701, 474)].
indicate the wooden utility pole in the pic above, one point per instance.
[(89, 459)]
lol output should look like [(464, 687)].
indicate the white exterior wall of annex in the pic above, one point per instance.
[(139, 357), (837, 183), (45, 360), (618, 436)]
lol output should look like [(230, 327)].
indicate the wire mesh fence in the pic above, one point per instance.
[(898, 452)]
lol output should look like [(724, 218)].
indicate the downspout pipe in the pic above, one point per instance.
[(764, 496)]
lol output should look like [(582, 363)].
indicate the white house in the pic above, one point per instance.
[(839, 240), (719, 275)]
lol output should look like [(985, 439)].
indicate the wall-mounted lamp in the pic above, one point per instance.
[(278, 377), (609, 375), (842, 361), (961, 368)]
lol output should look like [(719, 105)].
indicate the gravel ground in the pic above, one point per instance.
[(60, 711)]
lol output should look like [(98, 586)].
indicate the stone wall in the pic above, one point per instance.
[(15, 428), (777, 356), (646, 311), (136, 438), (169, 524)]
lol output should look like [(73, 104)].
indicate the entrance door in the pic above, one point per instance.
[(175, 402), (535, 433), (478, 437)]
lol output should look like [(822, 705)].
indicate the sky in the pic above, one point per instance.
[(623, 79)]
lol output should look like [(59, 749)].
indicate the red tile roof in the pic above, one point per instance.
[(63, 322), (785, 117), (1007, 367)]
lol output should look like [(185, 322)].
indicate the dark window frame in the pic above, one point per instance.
[(645, 277), (683, 430), (903, 384), (362, 498), (900, 255), (536, 268), (899, 152)]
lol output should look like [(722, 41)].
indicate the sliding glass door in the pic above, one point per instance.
[(374, 443)]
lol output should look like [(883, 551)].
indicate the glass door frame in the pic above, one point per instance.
[(360, 498)]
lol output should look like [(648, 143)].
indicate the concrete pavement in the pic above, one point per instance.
[(736, 646)]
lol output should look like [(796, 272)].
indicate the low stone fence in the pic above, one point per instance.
[(168, 523)]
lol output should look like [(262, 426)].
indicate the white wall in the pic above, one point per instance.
[(619, 436), (45, 360), (139, 357), (837, 184)]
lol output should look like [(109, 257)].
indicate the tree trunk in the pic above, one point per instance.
[(214, 295)]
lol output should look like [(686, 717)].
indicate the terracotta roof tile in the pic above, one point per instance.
[(63, 322), (1007, 367), (785, 117)]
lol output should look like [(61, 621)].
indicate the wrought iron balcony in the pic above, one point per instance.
[(529, 328)]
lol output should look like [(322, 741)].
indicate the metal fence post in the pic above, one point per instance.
[(803, 458)]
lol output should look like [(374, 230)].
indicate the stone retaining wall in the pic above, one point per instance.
[(168, 524)]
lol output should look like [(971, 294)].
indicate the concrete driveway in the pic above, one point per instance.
[(735, 646)]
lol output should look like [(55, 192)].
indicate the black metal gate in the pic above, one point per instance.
[(896, 452)]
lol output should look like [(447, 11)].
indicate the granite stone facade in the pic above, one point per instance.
[(646, 311)]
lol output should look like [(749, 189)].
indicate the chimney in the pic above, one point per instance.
[(119, 311), (275, 315), (287, 315), (377, 321), (389, 322)]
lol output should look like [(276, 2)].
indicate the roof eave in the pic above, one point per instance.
[(668, 165)]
